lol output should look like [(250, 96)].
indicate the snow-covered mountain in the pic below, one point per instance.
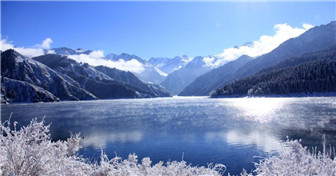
[(150, 73), (154, 90), (103, 82), (125, 57), (205, 83), (33, 77), (176, 81), (168, 65), (65, 51), (53, 77), (317, 38)]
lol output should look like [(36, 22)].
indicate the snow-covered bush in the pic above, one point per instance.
[(131, 166), (298, 160), (29, 151)]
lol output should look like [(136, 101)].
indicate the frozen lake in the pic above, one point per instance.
[(200, 130)]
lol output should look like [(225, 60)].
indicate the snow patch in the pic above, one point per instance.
[(161, 72)]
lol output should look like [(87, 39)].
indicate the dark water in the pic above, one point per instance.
[(201, 130)]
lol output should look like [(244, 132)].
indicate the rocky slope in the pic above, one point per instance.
[(103, 82), (14, 91), (207, 82), (310, 73), (18, 67)]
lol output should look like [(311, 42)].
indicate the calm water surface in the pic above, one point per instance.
[(199, 129)]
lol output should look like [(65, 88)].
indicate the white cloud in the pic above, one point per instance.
[(96, 58), (97, 54), (51, 52), (46, 43), (208, 61), (265, 44), (30, 52)]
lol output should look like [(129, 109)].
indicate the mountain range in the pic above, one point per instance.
[(53, 77), (57, 77)]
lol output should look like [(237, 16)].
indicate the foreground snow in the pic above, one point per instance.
[(30, 151)]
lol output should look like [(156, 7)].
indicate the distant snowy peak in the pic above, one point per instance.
[(80, 50), (65, 51), (125, 57), (168, 65), (150, 73), (159, 61), (202, 61), (184, 58)]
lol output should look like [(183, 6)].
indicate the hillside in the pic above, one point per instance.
[(150, 74), (306, 74), (102, 81), (176, 81), (205, 83), (314, 39), (28, 72)]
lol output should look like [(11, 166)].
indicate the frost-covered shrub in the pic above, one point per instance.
[(297, 160), (131, 166), (30, 151)]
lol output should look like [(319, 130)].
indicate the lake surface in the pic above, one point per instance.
[(200, 130)]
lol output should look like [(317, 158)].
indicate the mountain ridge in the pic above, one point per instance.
[(18, 67), (86, 75), (313, 72), (314, 39)]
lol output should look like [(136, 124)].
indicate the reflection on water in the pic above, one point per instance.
[(264, 141), (261, 110), (100, 140), (230, 131)]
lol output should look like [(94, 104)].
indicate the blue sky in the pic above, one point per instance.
[(151, 29)]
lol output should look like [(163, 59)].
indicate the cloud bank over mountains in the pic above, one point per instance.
[(96, 58), (37, 50), (264, 44)]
